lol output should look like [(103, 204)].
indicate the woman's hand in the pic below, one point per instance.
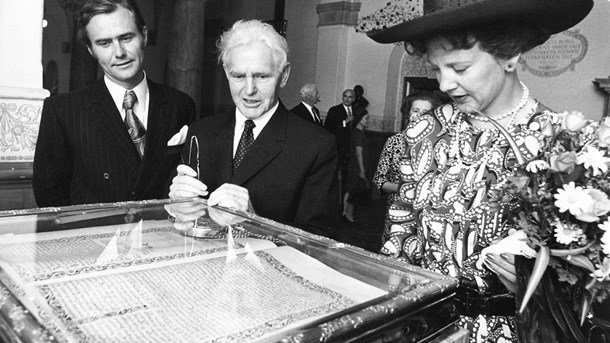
[(504, 266)]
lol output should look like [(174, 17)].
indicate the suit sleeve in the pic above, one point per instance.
[(332, 121), (188, 116), (52, 161), (317, 208)]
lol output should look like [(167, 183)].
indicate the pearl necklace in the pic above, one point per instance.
[(512, 113)]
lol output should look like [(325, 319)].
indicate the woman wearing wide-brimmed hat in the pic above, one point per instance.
[(458, 158)]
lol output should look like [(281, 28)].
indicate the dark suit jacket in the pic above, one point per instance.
[(288, 171), (334, 124), (84, 153), (302, 111)]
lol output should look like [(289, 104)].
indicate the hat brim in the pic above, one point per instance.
[(553, 15)]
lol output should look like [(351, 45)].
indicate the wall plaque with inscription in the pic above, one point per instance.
[(557, 55)]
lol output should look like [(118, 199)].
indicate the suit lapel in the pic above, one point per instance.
[(221, 147), (107, 117), (158, 123), (265, 147)]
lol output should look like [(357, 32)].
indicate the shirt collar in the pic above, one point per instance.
[(309, 107), (260, 122), (118, 92)]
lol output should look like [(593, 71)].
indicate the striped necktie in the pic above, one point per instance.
[(136, 130), (316, 114)]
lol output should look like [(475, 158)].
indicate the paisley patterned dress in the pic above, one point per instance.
[(388, 170), (452, 177)]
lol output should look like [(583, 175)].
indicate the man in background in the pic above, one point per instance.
[(117, 139), (339, 122), (307, 109), (261, 158)]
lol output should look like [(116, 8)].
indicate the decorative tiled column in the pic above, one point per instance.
[(21, 93), (336, 20)]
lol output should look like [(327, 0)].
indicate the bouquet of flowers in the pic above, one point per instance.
[(564, 210)]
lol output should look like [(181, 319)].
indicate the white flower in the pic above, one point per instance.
[(536, 165), (574, 121), (597, 207), (605, 240), (603, 272), (566, 233), (572, 198), (593, 158)]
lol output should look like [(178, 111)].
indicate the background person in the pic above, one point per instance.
[(339, 122), (356, 170), (387, 176), (277, 167), (306, 109), (85, 153), (359, 99), (458, 159)]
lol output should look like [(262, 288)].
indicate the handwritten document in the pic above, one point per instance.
[(153, 284)]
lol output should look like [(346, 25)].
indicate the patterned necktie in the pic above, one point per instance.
[(245, 142), (136, 130), (316, 114), (349, 111)]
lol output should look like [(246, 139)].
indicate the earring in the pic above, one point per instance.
[(509, 68)]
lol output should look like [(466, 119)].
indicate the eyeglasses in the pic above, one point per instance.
[(194, 154)]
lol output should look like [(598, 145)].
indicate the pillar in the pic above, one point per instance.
[(185, 64), (335, 29), (21, 97)]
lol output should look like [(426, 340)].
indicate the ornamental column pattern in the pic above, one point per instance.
[(185, 64), (21, 94)]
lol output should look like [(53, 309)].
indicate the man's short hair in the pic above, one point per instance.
[(91, 8), (245, 32)]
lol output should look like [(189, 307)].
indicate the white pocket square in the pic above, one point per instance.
[(179, 138)]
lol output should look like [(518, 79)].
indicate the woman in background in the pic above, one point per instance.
[(387, 175), (356, 165)]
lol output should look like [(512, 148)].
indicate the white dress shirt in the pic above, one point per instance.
[(259, 123), (140, 108)]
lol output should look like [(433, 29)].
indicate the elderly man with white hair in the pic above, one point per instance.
[(261, 158), (307, 109)]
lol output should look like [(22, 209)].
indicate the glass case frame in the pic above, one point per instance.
[(413, 304)]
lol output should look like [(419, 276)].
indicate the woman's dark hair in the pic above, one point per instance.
[(502, 41), (92, 8), (358, 118), (411, 98)]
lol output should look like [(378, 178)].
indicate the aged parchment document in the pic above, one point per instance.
[(145, 282)]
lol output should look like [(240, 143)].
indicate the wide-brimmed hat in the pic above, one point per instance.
[(400, 20)]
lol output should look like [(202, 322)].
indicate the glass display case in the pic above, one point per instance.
[(180, 271)]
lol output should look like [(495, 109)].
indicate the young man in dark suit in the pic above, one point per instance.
[(117, 139), (306, 109), (261, 158)]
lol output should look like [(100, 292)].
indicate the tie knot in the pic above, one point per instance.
[(249, 125), (129, 99)]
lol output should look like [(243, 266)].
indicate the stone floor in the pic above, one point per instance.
[(366, 231)]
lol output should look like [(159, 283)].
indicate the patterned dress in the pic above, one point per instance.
[(452, 178), (388, 170)]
